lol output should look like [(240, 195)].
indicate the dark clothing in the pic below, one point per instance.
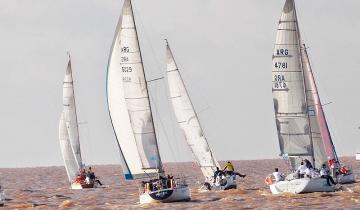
[(328, 179), (308, 164), (98, 181)]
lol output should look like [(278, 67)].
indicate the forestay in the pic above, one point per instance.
[(129, 103), (288, 88), (68, 128), (187, 118)]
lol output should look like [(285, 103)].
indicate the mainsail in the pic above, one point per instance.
[(300, 120), (187, 118), (129, 103), (68, 128)]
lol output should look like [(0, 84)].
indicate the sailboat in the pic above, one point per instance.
[(300, 120), (131, 116), (189, 123), (69, 135), (2, 197)]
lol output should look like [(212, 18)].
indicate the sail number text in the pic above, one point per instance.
[(281, 52), (280, 65), (279, 81)]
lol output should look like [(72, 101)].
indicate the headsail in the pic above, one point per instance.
[(71, 166), (68, 128), (288, 88), (129, 103), (323, 146), (187, 118)]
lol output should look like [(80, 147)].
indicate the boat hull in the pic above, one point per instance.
[(303, 185), (357, 156), (346, 179), (225, 183), (2, 198), (79, 186), (181, 193)]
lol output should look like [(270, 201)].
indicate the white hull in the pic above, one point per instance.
[(181, 193), (345, 179), (303, 185), (357, 156), (225, 183), (78, 186), (2, 198)]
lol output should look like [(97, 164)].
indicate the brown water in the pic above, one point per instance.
[(47, 188)]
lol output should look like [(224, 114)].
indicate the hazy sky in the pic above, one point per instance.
[(223, 49)]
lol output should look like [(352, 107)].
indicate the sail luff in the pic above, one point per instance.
[(159, 163), (125, 167), (187, 118), (305, 89)]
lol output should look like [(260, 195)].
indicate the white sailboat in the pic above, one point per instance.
[(2, 197), (131, 116), (302, 129), (69, 135), (189, 123)]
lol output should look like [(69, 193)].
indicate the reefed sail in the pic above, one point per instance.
[(187, 118), (129, 103), (68, 128)]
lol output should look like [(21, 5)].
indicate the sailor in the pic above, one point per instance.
[(324, 173), (229, 169), (308, 164), (301, 170), (92, 176), (217, 173), (278, 176), (83, 174)]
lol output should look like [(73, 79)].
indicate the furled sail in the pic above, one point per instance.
[(288, 88), (187, 118), (68, 128), (129, 103), (322, 143)]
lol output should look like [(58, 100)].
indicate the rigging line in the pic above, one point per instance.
[(163, 82), (163, 127), (139, 20)]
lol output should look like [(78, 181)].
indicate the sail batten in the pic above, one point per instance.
[(129, 102), (187, 118)]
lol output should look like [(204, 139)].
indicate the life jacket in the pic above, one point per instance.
[(332, 163), (268, 180), (229, 167), (343, 170)]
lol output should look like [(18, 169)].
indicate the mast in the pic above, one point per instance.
[(306, 99), (147, 91)]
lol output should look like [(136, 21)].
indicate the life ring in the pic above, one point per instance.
[(268, 180)]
